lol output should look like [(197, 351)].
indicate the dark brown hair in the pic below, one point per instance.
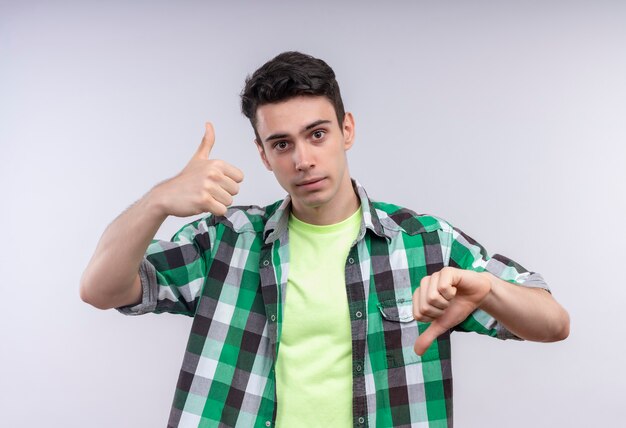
[(288, 75)]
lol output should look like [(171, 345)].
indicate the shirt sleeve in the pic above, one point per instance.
[(173, 272), (466, 253)]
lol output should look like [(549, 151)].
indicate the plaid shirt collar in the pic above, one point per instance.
[(384, 227)]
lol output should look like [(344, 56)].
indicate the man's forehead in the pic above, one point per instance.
[(292, 116)]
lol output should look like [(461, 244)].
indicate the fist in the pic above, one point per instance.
[(445, 299), (204, 185)]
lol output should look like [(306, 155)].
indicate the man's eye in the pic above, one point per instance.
[(281, 145), (318, 134)]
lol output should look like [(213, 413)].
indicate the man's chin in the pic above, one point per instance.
[(311, 201)]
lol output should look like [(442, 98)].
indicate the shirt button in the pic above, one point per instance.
[(351, 260), (273, 318), (268, 423), (358, 314), (361, 420), (358, 368), (265, 263)]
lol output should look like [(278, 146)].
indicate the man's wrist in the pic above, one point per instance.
[(154, 204), (493, 283)]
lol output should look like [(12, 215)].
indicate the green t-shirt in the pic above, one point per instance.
[(314, 363)]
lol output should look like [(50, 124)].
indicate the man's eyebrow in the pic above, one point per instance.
[(316, 123), (306, 128), (275, 137)]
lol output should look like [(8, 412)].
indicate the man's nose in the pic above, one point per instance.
[(303, 157)]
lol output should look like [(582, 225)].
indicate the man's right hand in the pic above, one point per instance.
[(204, 185)]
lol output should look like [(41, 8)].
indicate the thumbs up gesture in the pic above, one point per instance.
[(445, 299), (204, 185)]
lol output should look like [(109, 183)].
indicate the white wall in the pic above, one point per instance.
[(506, 118)]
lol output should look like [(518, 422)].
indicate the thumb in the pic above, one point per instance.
[(423, 342), (204, 150)]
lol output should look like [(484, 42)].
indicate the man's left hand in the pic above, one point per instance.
[(445, 299)]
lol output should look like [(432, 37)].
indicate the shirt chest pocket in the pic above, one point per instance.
[(399, 330)]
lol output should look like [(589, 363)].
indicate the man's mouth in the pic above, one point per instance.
[(310, 181)]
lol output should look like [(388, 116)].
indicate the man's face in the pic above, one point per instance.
[(305, 148)]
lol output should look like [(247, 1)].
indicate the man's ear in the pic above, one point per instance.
[(261, 150), (348, 130)]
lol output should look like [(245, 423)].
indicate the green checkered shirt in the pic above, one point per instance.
[(230, 273)]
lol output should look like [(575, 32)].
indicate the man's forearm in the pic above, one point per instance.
[(529, 313), (108, 279), (204, 185)]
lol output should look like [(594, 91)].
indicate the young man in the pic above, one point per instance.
[(324, 309)]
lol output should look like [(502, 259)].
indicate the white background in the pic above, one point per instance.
[(506, 118)]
